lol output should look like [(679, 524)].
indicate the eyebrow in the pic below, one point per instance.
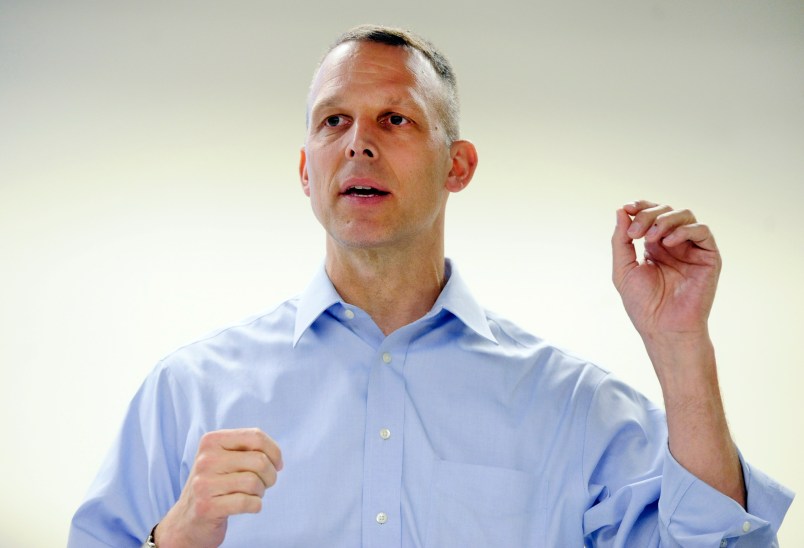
[(335, 100), (326, 103)]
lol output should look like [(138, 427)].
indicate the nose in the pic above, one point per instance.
[(361, 143)]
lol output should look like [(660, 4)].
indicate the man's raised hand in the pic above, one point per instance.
[(672, 291)]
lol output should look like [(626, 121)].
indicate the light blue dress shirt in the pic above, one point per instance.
[(459, 429)]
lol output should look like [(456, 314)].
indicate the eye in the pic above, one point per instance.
[(397, 120), (334, 121)]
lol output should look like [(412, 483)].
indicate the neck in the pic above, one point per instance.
[(394, 287)]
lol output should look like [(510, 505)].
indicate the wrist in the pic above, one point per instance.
[(686, 368), (682, 361)]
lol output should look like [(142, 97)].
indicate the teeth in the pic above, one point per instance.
[(365, 191)]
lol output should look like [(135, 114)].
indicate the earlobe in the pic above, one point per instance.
[(305, 182), (464, 163)]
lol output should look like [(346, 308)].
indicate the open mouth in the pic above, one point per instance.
[(364, 192)]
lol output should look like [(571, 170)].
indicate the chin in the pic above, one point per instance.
[(361, 241)]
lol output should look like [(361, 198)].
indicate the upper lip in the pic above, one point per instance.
[(365, 182)]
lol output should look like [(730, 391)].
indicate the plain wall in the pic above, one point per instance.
[(149, 193)]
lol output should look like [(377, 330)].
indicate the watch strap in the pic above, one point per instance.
[(151, 542)]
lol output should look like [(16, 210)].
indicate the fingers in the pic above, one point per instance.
[(224, 495), (219, 462), (698, 234), (244, 439), (236, 503), (232, 470), (663, 224)]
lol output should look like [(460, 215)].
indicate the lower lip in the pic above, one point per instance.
[(365, 200)]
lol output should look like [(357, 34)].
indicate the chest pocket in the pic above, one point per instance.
[(484, 506)]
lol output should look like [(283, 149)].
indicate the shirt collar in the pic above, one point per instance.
[(318, 297), (456, 298)]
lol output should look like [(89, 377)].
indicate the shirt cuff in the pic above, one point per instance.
[(693, 512)]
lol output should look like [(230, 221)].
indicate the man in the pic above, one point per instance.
[(406, 414)]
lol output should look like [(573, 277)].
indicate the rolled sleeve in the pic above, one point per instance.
[(692, 513)]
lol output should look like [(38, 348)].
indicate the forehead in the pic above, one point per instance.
[(371, 66)]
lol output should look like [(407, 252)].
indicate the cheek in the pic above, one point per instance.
[(437, 172), (313, 175), (318, 208), (321, 163)]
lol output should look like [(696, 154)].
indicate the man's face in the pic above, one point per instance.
[(376, 161)]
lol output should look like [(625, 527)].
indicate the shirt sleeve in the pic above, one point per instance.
[(692, 513), (139, 479), (639, 495)]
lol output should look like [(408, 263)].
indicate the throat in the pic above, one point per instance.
[(394, 295)]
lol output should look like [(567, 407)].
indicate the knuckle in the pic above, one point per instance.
[(209, 440), (251, 437), (200, 486), (662, 213), (204, 462), (265, 470), (253, 432), (256, 485), (270, 478), (263, 462), (253, 505)]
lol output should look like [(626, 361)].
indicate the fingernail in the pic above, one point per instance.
[(634, 229), (653, 230)]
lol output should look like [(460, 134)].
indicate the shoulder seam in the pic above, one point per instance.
[(220, 331)]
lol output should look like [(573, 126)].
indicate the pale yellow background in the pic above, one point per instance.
[(149, 193)]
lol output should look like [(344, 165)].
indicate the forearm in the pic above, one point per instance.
[(699, 437)]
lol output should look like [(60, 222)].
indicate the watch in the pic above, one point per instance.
[(151, 542)]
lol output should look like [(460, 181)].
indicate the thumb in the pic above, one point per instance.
[(623, 253)]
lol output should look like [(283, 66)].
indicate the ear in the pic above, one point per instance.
[(305, 181), (464, 163)]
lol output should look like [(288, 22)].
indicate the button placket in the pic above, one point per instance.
[(385, 406)]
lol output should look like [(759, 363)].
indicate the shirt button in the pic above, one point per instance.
[(381, 518), (746, 527), (386, 357), (349, 314), (724, 543), (385, 433)]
